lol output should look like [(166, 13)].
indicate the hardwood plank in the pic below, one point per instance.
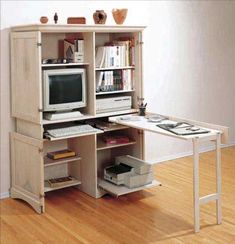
[(157, 215)]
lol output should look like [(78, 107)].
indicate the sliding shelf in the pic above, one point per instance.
[(88, 116), (115, 68), (67, 64), (113, 92), (103, 146), (50, 138), (122, 190), (48, 188), (114, 127), (51, 162)]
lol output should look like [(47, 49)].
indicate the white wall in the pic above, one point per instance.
[(190, 66), (189, 54)]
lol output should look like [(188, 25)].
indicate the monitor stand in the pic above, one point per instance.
[(62, 115)]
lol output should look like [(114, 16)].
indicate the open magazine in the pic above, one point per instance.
[(183, 129)]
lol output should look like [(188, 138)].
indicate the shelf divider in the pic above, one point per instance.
[(48, 188), (113, 92), (51, 162), (66, 64), (115, 68), (103, 146)]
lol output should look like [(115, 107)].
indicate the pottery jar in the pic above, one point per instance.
[(99, 17)]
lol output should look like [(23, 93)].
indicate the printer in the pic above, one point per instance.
[(129, 171)]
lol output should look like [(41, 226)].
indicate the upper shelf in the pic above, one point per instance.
[(113, 92), (55, 28), (115, 68), (67, 64)]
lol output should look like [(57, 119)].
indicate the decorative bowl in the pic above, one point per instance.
[(119, 15)]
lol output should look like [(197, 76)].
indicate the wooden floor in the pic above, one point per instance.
[(159, 215)]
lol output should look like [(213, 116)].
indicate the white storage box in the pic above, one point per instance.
[(140, 166), (136, 180), (129, 171)]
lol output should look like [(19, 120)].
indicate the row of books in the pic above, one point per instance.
[(115, 54), (114, 80), (74, 50)]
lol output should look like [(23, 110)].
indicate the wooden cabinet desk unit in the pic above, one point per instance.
[(31, 168)]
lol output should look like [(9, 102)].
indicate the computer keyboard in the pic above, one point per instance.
[(72, 130)]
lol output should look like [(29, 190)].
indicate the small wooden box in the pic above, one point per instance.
[(76, 20)]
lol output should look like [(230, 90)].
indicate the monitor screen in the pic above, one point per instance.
[(65, 88)]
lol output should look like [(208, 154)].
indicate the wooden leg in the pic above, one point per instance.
[(196, 184), (218, 180)]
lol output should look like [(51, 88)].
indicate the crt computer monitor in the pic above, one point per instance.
[(64, 89)]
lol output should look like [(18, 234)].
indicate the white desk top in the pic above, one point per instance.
[(144, 124)]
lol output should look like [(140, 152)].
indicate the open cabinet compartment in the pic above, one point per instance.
[(124, 132), (107, 156), (53, 48), (61, 167), (134, 69)]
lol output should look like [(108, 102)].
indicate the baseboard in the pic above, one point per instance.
[(4, 195), (189, 153)]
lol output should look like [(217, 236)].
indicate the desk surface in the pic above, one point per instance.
[(144, 124)]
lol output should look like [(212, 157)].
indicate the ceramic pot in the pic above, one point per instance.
[(119, 15), (99, 17), (43, 19)]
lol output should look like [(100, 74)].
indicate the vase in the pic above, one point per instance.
[(119, 15), (99, 17)]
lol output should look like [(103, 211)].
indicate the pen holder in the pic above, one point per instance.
[(142, 110)]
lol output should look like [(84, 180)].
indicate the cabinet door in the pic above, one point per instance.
[(27, 170), (26, 75)]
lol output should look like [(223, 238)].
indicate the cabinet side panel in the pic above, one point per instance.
[(138, 74), (89, 41), (26, 76), (86, 148)]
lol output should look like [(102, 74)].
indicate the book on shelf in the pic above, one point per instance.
[(74, 50), (114, 80), (61, 154), (131, 48), (127, 79), (62, 181), (99, 57), (116, 139), (124, 52), (119, 53)]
